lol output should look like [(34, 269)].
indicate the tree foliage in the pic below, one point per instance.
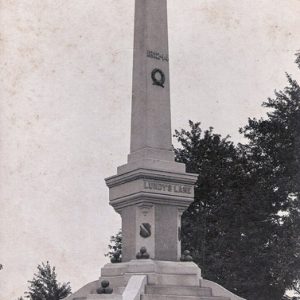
[(115, 246), (44, 285), (213, 227), (243, 227), (298, 59), (274, 150)]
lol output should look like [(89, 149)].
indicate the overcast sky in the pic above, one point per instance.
[(65, 111)]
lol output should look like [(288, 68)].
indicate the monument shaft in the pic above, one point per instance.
[(151, 191), (151, 117)]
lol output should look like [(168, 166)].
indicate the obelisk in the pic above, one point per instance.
[(151, 191), (151, 117)]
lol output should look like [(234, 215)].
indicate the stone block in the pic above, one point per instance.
[(173, 297), (119, 290), (141, 266), (178, 290), (113, 269), (104, 297), (171, 279), (171, 267)]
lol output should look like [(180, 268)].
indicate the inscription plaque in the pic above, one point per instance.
[(167, 187), (156, 55)]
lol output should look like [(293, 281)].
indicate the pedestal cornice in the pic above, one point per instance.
[(151, 186), (185, 178)]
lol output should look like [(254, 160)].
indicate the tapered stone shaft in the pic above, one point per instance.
[(151, 191), (151, 117)]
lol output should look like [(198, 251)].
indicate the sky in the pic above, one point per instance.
[(65, 91)]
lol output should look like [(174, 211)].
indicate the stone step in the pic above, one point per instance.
[(119, 290), (116, 295), (174, 297), (173, 279), (177, 290), (104, 297)]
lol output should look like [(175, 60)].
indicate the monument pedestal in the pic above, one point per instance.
[(151, 202), (167, 273), (148, 279)]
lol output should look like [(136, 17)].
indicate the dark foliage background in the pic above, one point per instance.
[(243, 227)]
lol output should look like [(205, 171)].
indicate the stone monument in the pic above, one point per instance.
[(151, 191)]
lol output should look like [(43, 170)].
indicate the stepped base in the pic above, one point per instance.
[(163, 280)]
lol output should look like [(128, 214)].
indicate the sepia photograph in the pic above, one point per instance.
[(150, 150)]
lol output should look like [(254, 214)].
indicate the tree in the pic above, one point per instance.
[(243, 227), (298, 59), (213, 226), (115, 248), (44, 285), (274, 152), (233, 227)]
